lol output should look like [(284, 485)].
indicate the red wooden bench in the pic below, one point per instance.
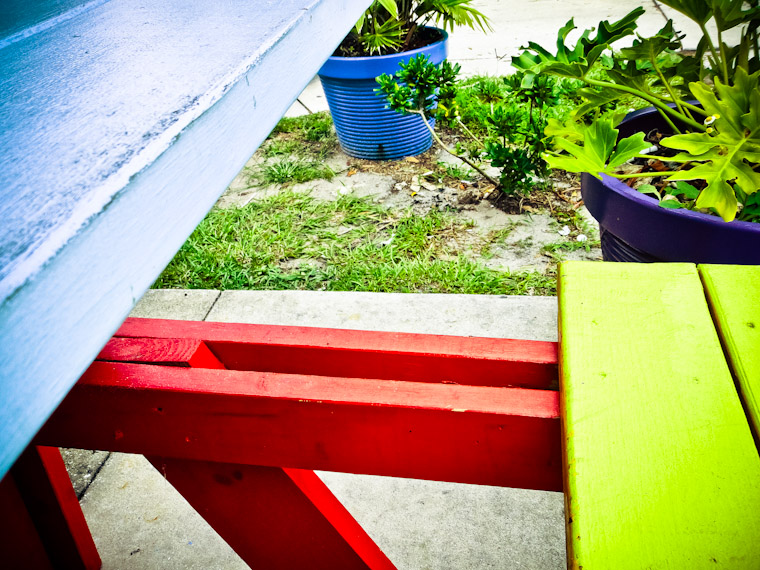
[(237, 416)]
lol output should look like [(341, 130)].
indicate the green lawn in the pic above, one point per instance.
[(292, 241)]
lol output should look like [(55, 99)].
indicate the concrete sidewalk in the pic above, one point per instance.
[(517, 22), (139, 521)]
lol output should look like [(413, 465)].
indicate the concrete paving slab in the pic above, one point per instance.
[(311, 100), (183, 304), (428, 525), (139, 521), (83, 466), (505, 316)]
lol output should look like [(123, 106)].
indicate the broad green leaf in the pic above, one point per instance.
[(391, 6), (648, 189), (697, 10), (648, 49), (730, 13), (628, 148), (600, 139), (599, 152), (576, 61), (721, 156), (360, 23), (686, 190), (451, 13), (594, 100), (569, 130), (670, 202), (578, 161)]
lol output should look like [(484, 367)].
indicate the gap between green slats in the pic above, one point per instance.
[(661, 470), (733, 292)]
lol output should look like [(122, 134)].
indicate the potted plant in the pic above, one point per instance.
[(698, 147), (389, 33)]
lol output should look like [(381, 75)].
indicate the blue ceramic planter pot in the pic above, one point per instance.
[(365, 128), (635, 228)]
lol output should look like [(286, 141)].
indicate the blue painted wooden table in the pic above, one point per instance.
[(121, 122)]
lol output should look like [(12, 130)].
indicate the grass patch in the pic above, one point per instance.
[(291, 241), (294, 171), (316, 127), (495, 238), (451, 173), (296, 149), (280, 147)]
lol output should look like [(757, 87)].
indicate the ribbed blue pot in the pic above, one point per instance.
[(365, 128)]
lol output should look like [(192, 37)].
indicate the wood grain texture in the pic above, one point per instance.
[(348, 353), (119, 129), (271, 517), (274, 518), (733, 292), (188, 353), (470, 434), (660, 467)]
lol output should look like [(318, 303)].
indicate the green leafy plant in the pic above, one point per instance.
[(394, 26), (718, 138), (513, 141)]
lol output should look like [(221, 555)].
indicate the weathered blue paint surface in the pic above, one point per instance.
[(120, 124), (22, 18)]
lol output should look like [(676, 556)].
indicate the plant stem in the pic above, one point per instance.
[(451, 152), (643, 174), (669, 89), (694, 108), (710, 44), (662, 107), (468, 132), (668, 158), (723, 57)]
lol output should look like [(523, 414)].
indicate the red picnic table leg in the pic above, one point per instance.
[(38, 490), (20, 542), (273, 517)]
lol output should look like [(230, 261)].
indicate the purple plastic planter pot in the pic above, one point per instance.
[(635, 228), (365, 128)]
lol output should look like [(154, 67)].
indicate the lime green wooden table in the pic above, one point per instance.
[(660, 377)]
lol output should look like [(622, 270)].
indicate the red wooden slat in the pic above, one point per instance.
[(189, 353), (272, 517), (45, 487), (496, 436), (361, 354), (275, 518)]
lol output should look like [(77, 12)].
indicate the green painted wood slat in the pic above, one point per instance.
[(660, 467), (733, 292)]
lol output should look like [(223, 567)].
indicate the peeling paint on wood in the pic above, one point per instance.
[(119, 128)]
